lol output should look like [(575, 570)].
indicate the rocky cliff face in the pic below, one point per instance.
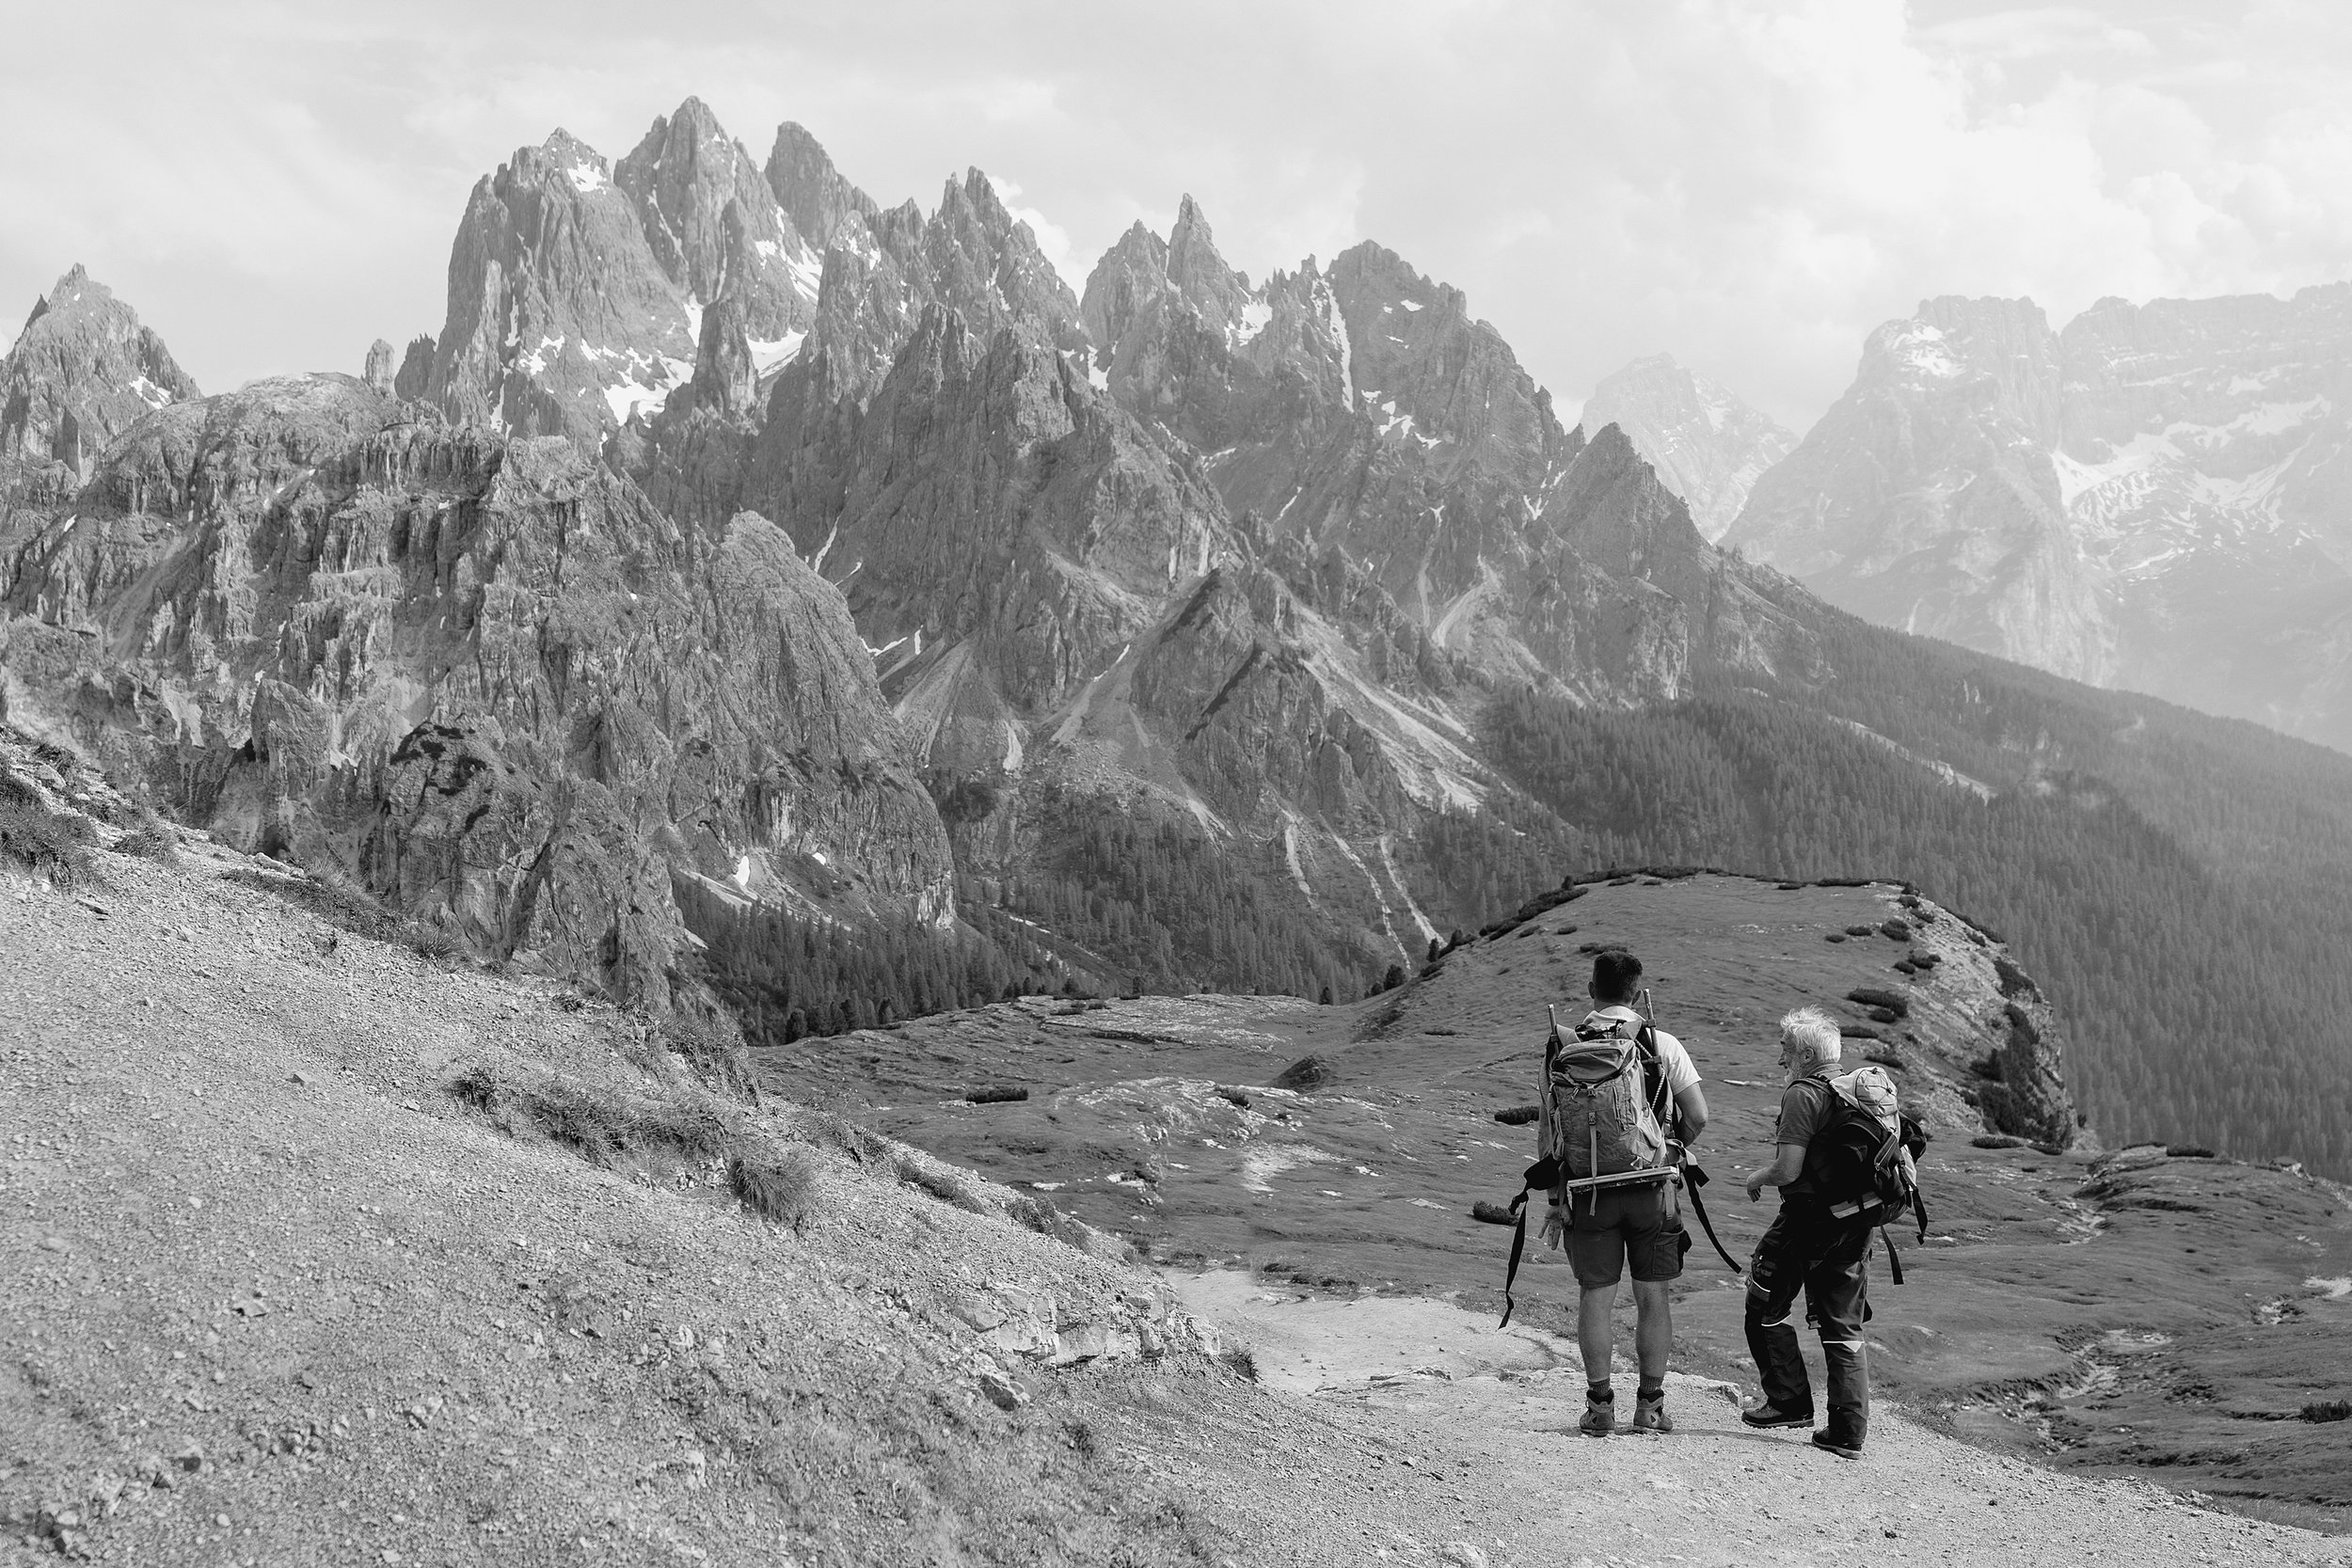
[(2150, 498), (79, 373), (1707, 447), (478, 672)]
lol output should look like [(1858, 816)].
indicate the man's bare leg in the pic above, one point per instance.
[(1654, 1330), (1595, 1333)]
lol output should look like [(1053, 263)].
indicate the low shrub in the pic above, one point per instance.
[(2189, 1151), (2014, 981), (1857, 930), (1519, 1116), (1036, 1213), (1872, 996), (607, 1126), (43, 842), (1904, 966), (1897, 929), (1235, 1097), (1996, 1140), (2327, 1410), (779, 1187), (942, 1184), (1240, 1359), (1834, 936), (1492, 1213), (996, 1094), (154, 842)]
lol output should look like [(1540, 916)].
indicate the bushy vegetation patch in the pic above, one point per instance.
[(48, 843), (1492, 1213), (1879, 999), (155, 842), (608, 1127), (1519, 1116), (2327, 1410), (996, 1094)]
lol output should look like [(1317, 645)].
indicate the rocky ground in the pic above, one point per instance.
[(278, 1295)]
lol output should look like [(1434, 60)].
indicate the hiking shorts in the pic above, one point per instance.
[(1620, 1225)]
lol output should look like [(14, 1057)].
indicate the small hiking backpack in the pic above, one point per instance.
[(1601, 1097), (1863, 1161)]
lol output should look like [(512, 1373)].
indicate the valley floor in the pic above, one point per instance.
[(275, 1295)]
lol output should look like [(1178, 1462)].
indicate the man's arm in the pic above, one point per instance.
[(1788, 1164), (1689, 1114)]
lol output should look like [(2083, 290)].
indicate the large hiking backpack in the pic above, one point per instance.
[(1601, 1094), (1863, 1162)]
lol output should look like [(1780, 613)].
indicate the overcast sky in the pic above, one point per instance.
[(1748, 184)]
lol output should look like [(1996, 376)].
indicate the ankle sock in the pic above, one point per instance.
[(1601, 1393), (1646, 1392)]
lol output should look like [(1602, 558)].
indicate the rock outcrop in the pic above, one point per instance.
[(480, 673), (2148, 499), (1708, 446)]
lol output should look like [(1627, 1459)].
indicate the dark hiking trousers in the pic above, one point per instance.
[(1807, 1248)]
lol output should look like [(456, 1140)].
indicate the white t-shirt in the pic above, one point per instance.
[(1673, 1060)]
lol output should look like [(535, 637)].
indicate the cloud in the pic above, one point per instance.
[(1749, 184)]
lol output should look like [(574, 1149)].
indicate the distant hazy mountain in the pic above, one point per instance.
[(1708, 446), (2159, 496)]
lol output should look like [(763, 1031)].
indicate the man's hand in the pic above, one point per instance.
[(1755, 1186), (1556, 1227)]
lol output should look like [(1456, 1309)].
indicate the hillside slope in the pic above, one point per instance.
[(284, 1297)]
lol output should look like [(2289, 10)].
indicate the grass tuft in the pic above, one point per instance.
[(1518, 1115), (780, 1188), (996, 1094), (1492, 1213), (2327, 1410)]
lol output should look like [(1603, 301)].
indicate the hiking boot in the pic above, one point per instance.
[(1823, 1441), (1600, 1417), (1649, 1415), (1761, 1415)]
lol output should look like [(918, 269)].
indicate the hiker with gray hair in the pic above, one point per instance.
[(1809, 1247)]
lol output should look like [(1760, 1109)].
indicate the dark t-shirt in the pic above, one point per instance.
[(1805, 1108)]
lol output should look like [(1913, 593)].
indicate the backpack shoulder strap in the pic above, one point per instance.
[(1654, 1074)]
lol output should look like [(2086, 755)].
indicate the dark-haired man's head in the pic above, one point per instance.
[(1616, 976)]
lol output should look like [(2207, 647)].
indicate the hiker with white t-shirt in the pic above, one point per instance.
[(1656, 1111)]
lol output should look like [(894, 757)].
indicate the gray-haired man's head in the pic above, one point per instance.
[(1809, 1041)]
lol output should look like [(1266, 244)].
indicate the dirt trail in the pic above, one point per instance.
[(1504, 1477)]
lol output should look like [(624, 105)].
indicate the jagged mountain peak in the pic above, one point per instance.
[(84, 368), (821, 203)]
